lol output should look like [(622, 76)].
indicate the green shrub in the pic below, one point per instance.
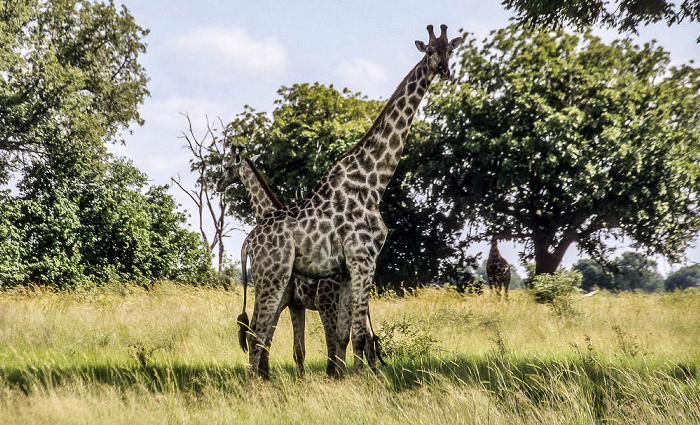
[(556, 290), (403, 339)]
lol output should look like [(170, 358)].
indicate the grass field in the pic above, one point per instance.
[(169, 355)]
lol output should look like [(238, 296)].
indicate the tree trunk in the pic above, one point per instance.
[(546, 261)]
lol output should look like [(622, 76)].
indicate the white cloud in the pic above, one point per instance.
[(362, 75), (156, 147), (215, 53)]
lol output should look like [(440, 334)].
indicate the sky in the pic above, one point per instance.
[(211, 58)]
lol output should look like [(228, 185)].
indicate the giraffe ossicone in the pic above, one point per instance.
[(336, 229)]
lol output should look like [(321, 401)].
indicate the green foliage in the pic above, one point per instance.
[(592, 275), (311, 127), (555, 139), (683, 278), (556, 290), (70, 81), (628, 272), (12, 271), (69, 78), (404, 340), (67, 232), (623, 15), (633, 271)]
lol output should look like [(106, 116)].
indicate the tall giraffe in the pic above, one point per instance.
[(322, 295), (497, 270), (337, 227)]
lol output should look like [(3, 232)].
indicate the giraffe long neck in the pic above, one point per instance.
[(369, 165), (259, 192), (495, 255)]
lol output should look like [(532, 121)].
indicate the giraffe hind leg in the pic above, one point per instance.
[(298, 316)]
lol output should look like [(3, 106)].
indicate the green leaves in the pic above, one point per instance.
[(67, 232), (559, 138), (70, 77)]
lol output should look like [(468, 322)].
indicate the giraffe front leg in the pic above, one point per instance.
[(361, 274), (268, 306), (298, 315)]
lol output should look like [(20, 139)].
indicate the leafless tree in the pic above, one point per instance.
[(208, 156)]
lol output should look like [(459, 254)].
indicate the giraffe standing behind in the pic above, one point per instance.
[(497, 270), (337, 227)]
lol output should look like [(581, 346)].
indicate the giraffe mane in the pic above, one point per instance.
[(266, 187)]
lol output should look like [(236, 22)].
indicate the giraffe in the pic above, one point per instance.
[(337, 228), (322, 295), (497, 270)]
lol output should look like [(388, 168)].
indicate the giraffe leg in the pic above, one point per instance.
[(298, 315), (268, 306), (344, 323), (361, 274), (326, 300)]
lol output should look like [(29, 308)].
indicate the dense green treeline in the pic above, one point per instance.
[(71, 82)]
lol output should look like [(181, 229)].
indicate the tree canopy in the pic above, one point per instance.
[(67, 231), (69, 78), (625, 15), (629, 272), (683, 278), (554, 139), (70, 81)]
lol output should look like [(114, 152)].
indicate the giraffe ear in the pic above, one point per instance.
[(254, 158), (455, 42), (421, 46)]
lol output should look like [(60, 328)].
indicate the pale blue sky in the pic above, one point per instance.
[(213, 57)]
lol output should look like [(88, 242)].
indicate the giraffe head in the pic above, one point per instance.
[(438, 51), (232, 168)]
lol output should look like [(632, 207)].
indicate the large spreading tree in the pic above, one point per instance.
[(557, 139)]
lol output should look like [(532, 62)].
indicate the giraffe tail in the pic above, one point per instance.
[(243, 322), (375, 341)]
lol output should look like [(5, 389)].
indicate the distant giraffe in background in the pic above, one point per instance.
[(497, 270), (337, 227)]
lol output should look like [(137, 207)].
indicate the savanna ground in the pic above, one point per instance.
[(170, 355)]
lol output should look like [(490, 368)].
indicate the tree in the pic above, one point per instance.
[(69, 78), (626, 15), (628, 272), (683, 278), (208, 155), (313, 125), (593, 275), (100, 227), (555, 139), (634, 271)]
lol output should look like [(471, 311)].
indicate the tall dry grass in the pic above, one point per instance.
[(170, 355)]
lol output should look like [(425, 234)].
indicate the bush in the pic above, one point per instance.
[(556, 290), (403, 339)]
